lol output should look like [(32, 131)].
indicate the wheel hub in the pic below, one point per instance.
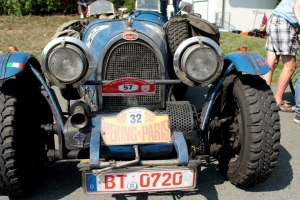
[(235, 140)]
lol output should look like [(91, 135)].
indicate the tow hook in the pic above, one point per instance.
[(113, 165)]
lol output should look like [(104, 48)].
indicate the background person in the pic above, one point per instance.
[(297, 93), (83, 7), (297, 100), (282, 41), (176, 6), (164, 5)]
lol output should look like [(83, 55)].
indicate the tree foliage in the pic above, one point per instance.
[(124, 3), (36, 7), (130, 4), (41, 7), (278, 1), (118, 3)]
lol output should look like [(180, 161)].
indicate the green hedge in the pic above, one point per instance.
[(41, 7), (278, 1), (37, 7), (130, 4)]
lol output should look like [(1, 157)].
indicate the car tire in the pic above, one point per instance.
[(178, 30), (22, 142), (250, 140)]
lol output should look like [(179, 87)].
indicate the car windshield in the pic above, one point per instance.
[(100, 7), (152, 5)]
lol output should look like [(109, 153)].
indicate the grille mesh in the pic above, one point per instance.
[(180, 116), (137, 60)]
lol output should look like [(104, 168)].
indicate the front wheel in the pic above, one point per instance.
[(250, 139), (22, 144)]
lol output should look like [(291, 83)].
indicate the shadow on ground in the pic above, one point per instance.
[(63, 179)]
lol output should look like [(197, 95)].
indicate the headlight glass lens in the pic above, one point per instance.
[(200, 63), (66, 64)]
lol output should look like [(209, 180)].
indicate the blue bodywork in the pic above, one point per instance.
[(248, 62), (100, 35), (20, 58), (137, 49)]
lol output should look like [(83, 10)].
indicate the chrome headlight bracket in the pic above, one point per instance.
[(187, 47), (83, 54)]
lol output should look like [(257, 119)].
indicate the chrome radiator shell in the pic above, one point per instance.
[(138, 60)]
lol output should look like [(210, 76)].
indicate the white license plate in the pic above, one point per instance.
[(140, 180)]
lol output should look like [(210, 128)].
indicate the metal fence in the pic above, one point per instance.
[(222, 20)]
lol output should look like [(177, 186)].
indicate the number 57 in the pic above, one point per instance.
[(127, 87)]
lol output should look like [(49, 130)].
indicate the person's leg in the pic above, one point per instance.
[(80, 11), (297, 95), (282, 40), (289, 66), (297, 100), (164, 5), (272, 60), (175, 5)]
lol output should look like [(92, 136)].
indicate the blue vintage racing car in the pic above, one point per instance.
[(126, 124)]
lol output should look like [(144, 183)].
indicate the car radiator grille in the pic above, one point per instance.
[(138, 60)]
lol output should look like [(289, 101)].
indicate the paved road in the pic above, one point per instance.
[(63, 181)]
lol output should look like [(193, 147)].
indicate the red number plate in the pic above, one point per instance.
[(142, 180), (128, 87)]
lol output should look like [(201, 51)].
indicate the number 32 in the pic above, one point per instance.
[(135, 119)]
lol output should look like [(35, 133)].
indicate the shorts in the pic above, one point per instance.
[(282, 38), (84, 10)]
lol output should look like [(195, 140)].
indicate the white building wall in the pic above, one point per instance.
[(207, 8), (242, 16), (241, 12)]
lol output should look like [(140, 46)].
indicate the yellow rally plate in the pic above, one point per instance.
[(135, 126)]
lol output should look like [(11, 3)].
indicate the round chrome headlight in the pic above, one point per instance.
[(66, 64), (67, 61), (199, 63)]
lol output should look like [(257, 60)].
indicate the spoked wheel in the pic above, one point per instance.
[(250, 139), (22, 143)]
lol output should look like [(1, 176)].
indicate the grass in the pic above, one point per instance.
[(29, 33), (32, 33)]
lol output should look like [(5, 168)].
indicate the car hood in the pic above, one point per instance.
[(101, 32)]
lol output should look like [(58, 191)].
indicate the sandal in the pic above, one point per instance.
[(285, 106)]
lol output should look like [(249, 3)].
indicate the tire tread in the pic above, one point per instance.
[(263, 147), (14, 179)]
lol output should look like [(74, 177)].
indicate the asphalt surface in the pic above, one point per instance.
[(63, 180)]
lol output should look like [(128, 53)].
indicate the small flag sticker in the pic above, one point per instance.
[(15, 65)]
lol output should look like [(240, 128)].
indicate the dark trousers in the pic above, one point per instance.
[(164, 5), (176, 4)]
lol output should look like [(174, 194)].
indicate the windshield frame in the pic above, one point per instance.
[(140, 5)]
